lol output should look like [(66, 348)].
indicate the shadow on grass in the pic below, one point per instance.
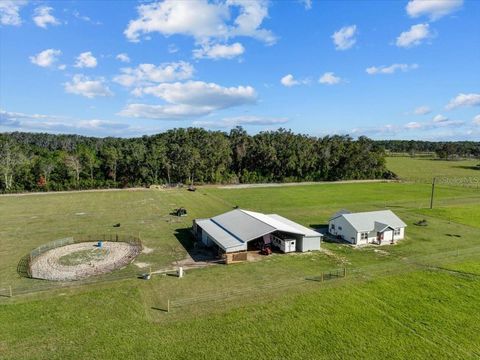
[(466, 167), (328, 238), (321, 228), (159, 309), (197, 253)]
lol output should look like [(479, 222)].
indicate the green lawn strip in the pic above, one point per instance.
[(412, 315)]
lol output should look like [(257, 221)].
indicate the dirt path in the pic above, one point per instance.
[(235, 186), (262, 185)]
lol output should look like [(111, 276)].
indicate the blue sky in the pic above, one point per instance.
[(385, 69)]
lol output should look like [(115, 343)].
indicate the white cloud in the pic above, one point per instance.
[(231, 122), (345, 37), (374, 130), (446, 123), (219, 51), (413, 125), (434, 9), (86, 60), (374, 70), (307, 4), (464, 100), (90, 88), (163, 112), (147, 74), (439, 118), (329, 78), (199, 93), (192, 98), (439, 121), (172, 49), (414, 36), (42, 17), (476, 120), (10, 12), (289, 81), (61, 124), (46, 58), (181, 17), (123, 57), (62, 67), (422, 110), (79, 16)]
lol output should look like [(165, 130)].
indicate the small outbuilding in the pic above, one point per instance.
[(240, 230), (372, 227)]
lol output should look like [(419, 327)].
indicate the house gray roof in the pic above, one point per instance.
[(373, 220), (340, 213), (236, 227)]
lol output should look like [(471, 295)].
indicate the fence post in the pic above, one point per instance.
[(344, 272), (168, 305), (322, 276), (11, 292)]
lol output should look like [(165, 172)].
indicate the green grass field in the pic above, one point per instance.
[(423, 169), (415, 300)]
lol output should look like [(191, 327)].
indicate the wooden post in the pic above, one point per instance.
[(10, 288), (344, 272), (322, 276), (433, 190), (168, 305)]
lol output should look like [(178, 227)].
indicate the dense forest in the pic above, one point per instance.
[(43, 162), (443, 149)]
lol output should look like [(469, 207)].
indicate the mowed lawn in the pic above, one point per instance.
[(424, 169), (415, 316), (414, 300)]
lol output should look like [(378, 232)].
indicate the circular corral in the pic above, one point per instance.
[(81, 260)]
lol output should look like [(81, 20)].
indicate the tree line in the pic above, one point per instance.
[(47, 162), (446, 150)]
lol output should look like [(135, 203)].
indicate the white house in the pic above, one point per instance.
[(372, 227), (241, 230)]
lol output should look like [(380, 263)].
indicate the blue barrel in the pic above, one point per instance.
[(100, 243)]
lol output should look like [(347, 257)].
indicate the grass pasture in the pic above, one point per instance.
[(423, 169), (414, 300)]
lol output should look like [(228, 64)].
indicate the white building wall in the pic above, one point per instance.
[(343, 229), (401, 236), (309, 244), (348, 233)]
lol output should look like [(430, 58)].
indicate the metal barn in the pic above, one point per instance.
[(238, 231)]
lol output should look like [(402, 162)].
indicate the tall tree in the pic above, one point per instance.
[(74, 165), (11, 160)]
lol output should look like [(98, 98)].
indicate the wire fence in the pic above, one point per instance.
[(270, 286)]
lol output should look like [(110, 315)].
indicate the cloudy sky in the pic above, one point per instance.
[(385, 69)]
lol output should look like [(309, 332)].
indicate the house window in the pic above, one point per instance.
[(364, 236), (339, 228), (396, 232), (332, 227)]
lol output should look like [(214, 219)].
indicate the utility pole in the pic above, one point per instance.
[(433, 190)]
